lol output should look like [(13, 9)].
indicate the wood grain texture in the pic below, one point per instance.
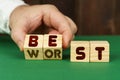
[(35, 52), (95, 17), (52, 51), (101, 55), (89, 14), (79, 51)]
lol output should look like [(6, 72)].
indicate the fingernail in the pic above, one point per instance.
[(20, 46)]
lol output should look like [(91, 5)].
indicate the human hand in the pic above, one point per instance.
[(25, 19)]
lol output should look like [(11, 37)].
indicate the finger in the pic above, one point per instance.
[(72, 25), (59, 22), (53, 31)]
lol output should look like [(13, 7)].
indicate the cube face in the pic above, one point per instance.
[(33, 54), (33, 47), (79, 51), (33, 41), (52, 46), (99, 51), (53, 53), (52, 41)]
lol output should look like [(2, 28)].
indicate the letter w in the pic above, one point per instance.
[(33, 53)]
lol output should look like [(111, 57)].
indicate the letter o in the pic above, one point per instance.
[(50, 52)]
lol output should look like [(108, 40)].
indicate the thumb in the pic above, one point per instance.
[(18, 36)]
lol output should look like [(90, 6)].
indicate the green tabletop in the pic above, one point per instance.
[(13, 66)]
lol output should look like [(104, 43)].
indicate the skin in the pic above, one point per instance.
[(25, 19)]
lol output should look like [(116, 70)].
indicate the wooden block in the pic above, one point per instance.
[(99, 51), (79, 51), (33, 47), (52, 46)]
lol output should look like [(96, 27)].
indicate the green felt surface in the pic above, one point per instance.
[(13, 66)]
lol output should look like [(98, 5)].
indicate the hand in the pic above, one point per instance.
[(25, 19)]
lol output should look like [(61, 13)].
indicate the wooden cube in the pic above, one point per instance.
[(99, 51), (33, 47), (79, 51), (52, 46)]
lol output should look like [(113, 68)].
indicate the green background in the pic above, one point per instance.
[(13, 66)]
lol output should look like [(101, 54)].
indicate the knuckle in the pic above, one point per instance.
[(50, 6)]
